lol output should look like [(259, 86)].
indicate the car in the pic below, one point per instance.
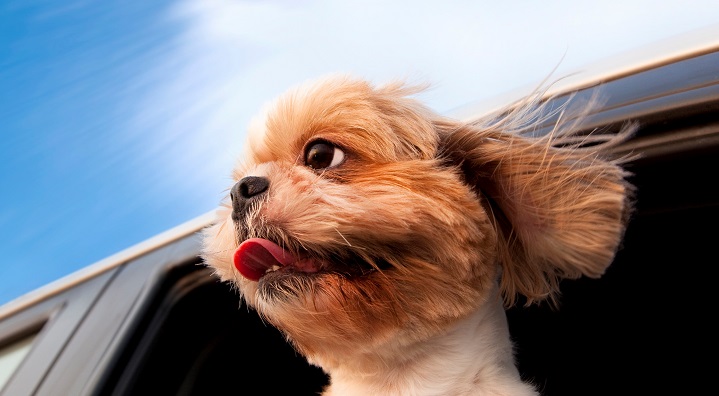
[(154, 320)]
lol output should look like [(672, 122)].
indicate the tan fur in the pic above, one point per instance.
[(451, 215)]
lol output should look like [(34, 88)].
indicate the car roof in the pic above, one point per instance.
[(662, 52)]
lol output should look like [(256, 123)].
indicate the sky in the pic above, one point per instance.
[(122, 119)]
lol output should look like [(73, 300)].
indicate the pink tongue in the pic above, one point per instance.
[(256, 255)]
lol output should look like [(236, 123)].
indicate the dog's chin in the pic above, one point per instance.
[(325, 303), (291, 282)]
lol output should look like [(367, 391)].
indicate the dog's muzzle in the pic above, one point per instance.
[(245, 191)]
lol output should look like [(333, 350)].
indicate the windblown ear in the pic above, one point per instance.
[(559, 206)]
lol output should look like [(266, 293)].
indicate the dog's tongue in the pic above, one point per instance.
[(256, 255)]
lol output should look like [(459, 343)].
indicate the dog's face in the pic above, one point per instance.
[(362, 222)]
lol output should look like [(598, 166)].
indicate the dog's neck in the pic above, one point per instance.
[(474, 357)]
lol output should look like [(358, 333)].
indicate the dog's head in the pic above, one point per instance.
[(362, 221)]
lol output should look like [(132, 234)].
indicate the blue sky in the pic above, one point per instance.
[(121, 119)]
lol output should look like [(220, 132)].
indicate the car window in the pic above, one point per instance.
[(11, 356), (197, 337)]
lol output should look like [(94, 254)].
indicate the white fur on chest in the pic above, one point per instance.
[(473, 358)]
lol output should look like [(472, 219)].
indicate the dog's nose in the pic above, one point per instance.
[(247, 189)]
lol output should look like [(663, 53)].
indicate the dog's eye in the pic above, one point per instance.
[(321, 155)]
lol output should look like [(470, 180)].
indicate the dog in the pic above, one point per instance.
[(385, 240)]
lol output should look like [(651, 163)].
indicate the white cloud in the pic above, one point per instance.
[(235, 55)]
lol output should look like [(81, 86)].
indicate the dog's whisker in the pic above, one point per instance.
[(343, 237)]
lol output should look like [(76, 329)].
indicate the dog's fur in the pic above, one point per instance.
[(410, 248)]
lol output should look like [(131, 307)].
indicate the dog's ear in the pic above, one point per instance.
[(559, 205)]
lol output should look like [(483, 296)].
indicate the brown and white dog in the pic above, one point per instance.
[(385, 240)]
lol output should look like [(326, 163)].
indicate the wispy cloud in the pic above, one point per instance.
[(232, 56)]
